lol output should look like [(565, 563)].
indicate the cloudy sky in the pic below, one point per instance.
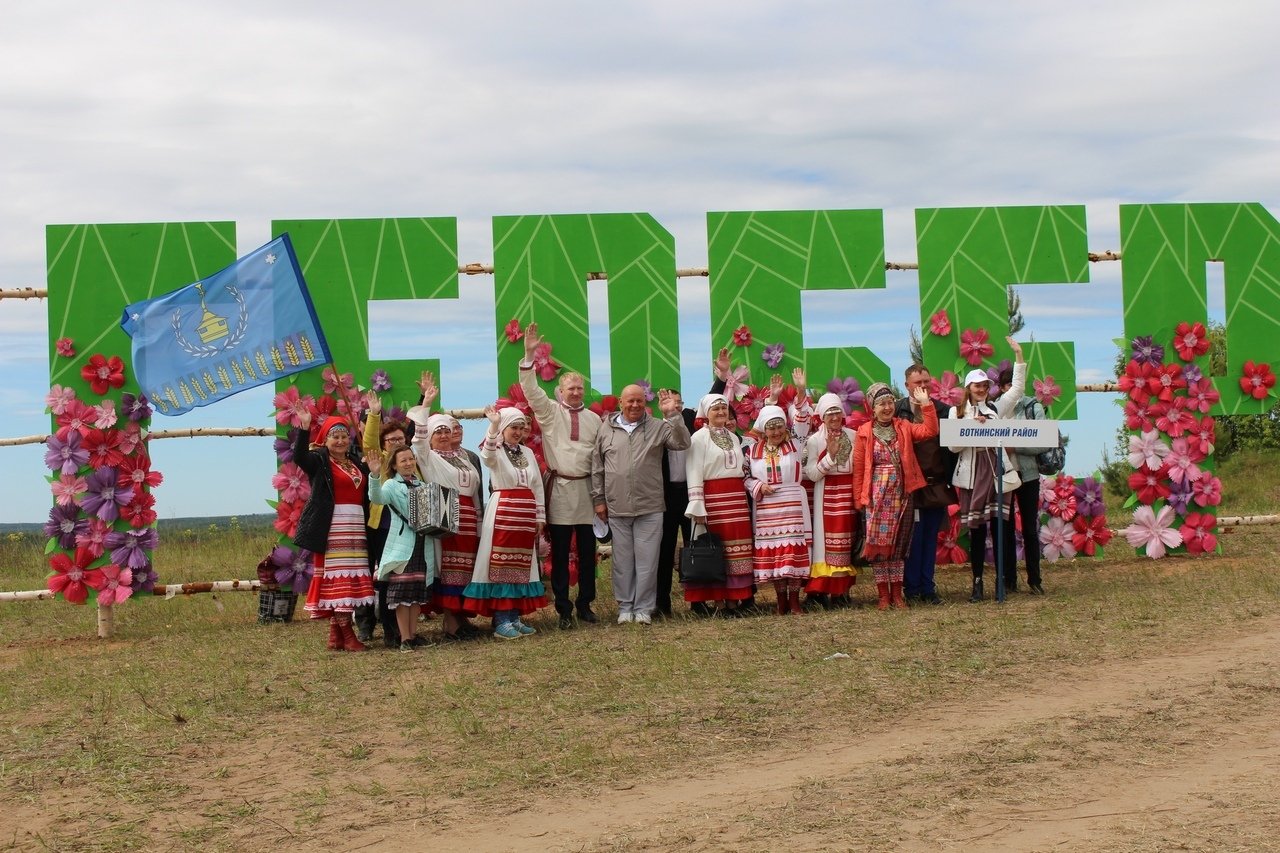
[(151, 112)]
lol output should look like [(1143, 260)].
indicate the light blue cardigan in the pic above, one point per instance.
[(400, 536)]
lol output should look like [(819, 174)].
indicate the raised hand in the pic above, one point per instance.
[(531, 340), (775, 388), (668, 402), (920, 397), (723, 364), (429, 390), (798, 380), (304, 419), (491, 412), (373, 402), (374, 461), (1016, 347)]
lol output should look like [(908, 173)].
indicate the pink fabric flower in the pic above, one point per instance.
[(1201, 395), (974, 346), (546, 366), (333, 382), (1201, 437), (93, 538), (73, 577), (735, 384), (1190, 340), (130, 438), (287, 515), (1147, 450), (1047, 391), (1055, 540), (1180, 465), (105, 414), (292, 483), (1062, 504), (76, 416), (1176, 419), (59, 398), (1207, 491), (1151, 530), (742, 336), (65, 347), (1090, 534), (67, 488), (291, 406), (1198, 533), (513, 331), (940, 323), (117, 585), (946, 389), (1257, 380), (1047, 492)]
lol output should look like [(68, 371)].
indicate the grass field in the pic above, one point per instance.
[(196, 728)]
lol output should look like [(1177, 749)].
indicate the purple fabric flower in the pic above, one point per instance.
[(1180, 495), (129, 547), (135, 408), (380, 382), (647, 387), (849, 392), (65, 454), (395, 415), (993, 373), (104, 497), (293, 568), (284, 447), (64, 524), (772, 355), (1192, 373), (144, 579), (1147, 351), (1089, 498)]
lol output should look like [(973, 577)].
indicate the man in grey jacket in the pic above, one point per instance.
[(627, 492)]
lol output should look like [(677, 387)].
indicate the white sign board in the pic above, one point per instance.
[(967, 432)]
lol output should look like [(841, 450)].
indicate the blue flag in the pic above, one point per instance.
[(241, 327)]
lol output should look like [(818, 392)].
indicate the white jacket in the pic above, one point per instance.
[(1003, 408)]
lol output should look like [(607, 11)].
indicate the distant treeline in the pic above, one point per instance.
[(198, 524)]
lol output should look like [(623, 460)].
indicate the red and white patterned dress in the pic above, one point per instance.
[(832, 572), (782, 527), (718, 492), (342, 581)]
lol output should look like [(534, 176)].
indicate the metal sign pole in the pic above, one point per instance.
[(997, 544)]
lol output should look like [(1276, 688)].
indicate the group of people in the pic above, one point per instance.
[(797, 504)]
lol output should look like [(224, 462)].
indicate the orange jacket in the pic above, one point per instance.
[(908, 434)]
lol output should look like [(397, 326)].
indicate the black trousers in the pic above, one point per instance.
[(369, 615), (673, 521), (1026, 501), (562, 536)]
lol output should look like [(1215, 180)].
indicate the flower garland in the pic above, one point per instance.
[(101, 527)]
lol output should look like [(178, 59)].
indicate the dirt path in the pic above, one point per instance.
[(1181, 744)]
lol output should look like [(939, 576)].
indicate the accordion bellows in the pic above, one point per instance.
[(433, 509)]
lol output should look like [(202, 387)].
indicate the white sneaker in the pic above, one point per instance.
[(642, 618), (624, 618)]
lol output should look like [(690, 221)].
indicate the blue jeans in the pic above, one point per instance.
[(505, 617), (917, 574)]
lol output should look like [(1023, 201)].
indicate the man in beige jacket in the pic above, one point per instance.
[(627, 490)]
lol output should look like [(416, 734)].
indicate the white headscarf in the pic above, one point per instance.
[(769, 413), (709, 400), (507, 416), (440, 421), (829, 401)]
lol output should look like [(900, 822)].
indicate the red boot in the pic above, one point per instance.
[(882, 587), (349, 640), (335, 636), (780, 590), (793, 602), (895, 594)]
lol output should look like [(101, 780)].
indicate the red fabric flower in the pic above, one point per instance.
[(65, 347), (1137, 418), (1151, 486), (1207, 491), (140, 512), (102, 373), (287, 515), (1201, 395), (1257, 380), (1198, 533), (1200, 438), (76, 416), (1164, 380), (1176, 419), (1090, 534), (940, 323), (513, 331), (104, 448), (546, 366), (742, 336), (1134, 381), (974, 346), (1190, 340), (606, 405), (135, 472), (73, 577)]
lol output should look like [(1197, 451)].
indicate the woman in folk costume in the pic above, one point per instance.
[(975, 477), (332, 526), (506, 585), (407, 564), (718, 501), (886, 473), (441, 462), (829, 465), (781, 523)]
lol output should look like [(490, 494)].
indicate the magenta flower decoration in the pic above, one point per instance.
[(1089, 498), (974, 346), (1047, 391), (1180, 465), (1180, 495), (333, 382), (67, 488), (1191, 373), (59, 398), (1201, 436), (736, 383), (65, 347), (1190, 340), (380, 382), (117, 585), (1198, 533), (647, 387), (849, 391), (284, 447), (104, 414), (1146, 351), (1055, 540), (1147, 450), (94, 537), (940, 323), (130, 438), (993, 373), (76, 416), (546, 366), (103, 497), (293, 568), (946, 389), (144, 579), (64, 524), (1062, 504), (1257, 380), (1048, 490), (1201, 395), (135, 408), (291, 406), (1207, 490), (1176, 419), (72, 576), (129, 547), (742, 336), (66, 454), (1152, 531), (772, 355), (513, 331), (292, 483)]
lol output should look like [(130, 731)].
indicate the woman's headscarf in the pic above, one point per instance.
[(707, 401), (440, 421), (329, 423), (830, 401), (769, 413), (876, 391), (507, 416)]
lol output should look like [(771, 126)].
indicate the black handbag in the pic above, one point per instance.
[(702, 559)]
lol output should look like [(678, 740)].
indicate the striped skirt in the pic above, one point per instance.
[(504, 578), (342, 581), (729, 517), (782, 535), (457, 559), (833, 572)]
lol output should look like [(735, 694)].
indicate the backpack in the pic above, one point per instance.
[(1051, 462)]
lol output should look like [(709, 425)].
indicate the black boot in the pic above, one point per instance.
[(976, 595)]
